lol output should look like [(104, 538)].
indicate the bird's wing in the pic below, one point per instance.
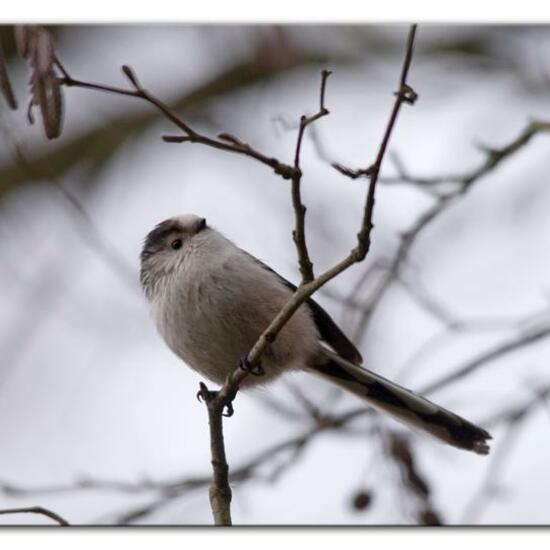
[(328, 329)]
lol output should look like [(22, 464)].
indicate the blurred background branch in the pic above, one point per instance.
[(36, 510)]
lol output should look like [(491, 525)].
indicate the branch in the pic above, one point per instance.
[(493, 159), (218, 402), (414, 482), (358, 253), (306, 266), (518, 412), (37, 510), (102, 141), (464, 183), (225, 142), (172, 489), (523, 340)]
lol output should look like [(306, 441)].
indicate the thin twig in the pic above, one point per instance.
[(360, 251), (299, 236), (494, 156), (464, 183), (225, 142), (405, 94), (521, 341), (37, 510)]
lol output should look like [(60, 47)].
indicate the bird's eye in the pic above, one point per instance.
[(176, 244)]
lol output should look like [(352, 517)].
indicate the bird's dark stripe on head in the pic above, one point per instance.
[(461, 432), (158, 234), (201, 226)]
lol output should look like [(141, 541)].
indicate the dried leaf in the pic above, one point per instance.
[(47, 95), (22, 35), (5, 85), (44, 84), (43, 50)]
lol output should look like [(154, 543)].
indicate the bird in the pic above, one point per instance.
[(210, 301)]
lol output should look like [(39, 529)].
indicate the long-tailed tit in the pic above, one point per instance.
[(211, 301)]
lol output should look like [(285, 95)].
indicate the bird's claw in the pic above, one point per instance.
[(204, 394), (254, 370), (228, 411)]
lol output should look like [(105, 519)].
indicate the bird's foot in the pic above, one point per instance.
[(254, 370), (228, 410), (208, 396), (204, 394)]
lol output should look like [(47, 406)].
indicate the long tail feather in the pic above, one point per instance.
[(404, 405)]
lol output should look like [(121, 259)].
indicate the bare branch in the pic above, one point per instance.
[(169, 490), (6, 89), (414, 481), (104, 140), (519, 342), (518, 411), (493, 159), (409, 237), (172, 489), (363, 237), (190, 135), (217, 403), (37, 510), (405, 94), (304, 261)]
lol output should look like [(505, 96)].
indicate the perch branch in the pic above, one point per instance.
[(220, 401)]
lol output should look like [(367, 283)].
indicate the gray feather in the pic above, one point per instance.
[(328, 329)]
